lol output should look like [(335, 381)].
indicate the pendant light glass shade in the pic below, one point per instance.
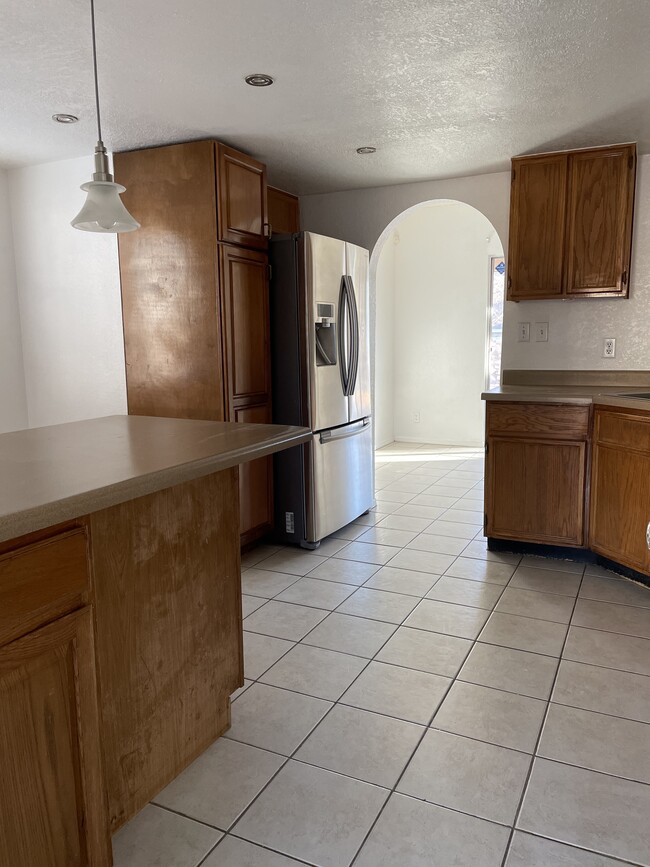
[(104, 210)]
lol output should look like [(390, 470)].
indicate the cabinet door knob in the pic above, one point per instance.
[(647, 535)]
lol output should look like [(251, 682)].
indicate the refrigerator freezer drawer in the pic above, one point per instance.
[(341, 478)]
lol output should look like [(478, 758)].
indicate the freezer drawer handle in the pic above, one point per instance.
[(341, 433)]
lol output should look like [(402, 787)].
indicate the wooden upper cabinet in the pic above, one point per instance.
[(537, 215), (52, 800), (241, 183), (168, 270), (571, 223), (599, 230), (284, 212)]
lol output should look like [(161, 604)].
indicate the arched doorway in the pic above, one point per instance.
[(433, 273)]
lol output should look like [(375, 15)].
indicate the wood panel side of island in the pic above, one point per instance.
[(166, 574)]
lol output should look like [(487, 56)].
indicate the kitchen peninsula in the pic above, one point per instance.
[(120, 619)]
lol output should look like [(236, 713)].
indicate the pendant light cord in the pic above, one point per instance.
[(92, 21)]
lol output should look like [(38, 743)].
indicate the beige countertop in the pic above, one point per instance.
[(575, 394), (53, 474)]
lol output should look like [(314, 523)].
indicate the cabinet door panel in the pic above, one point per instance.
[(52, 794), (284, 211), (620, 506), (535, 491), (241, 182), (255, 482), (601, 195), (246, 304), (537, 218)]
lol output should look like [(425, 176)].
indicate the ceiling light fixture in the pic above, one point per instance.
[(65, 118), (259, 79), (103, 210), (368, 149)]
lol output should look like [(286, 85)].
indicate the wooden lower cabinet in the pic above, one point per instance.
[(535, 491), (255, 482), (52, 807), (536, 472), (620, 491)]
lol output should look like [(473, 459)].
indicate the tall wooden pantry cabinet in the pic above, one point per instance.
[(195, 296)]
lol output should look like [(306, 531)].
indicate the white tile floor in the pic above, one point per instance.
[(413, 699)]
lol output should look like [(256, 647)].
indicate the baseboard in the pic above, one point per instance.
[(427, 441)]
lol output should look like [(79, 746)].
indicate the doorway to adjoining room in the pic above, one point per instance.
[(439, 317)]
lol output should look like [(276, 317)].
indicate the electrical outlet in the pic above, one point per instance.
[(609, 347), (541, 332), (415, 417), (523, 332)]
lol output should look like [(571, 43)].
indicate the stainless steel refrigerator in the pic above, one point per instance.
[(320, 340)]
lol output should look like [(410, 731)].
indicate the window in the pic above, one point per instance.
[(497, 297)]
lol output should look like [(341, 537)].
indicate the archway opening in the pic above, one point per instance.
[(436, 271)]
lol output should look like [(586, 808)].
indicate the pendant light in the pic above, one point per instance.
[(103, 210)]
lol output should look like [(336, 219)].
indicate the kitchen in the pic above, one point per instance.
[(383, 667)]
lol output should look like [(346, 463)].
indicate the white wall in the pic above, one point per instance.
[(13, 399), (69, 297), (437, 319), (385, 341)]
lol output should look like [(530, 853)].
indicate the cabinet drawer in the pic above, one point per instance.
[(42, 581), (555, 421), (623, 430)]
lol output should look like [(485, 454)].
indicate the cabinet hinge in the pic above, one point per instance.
[(513, 174), (509, 282), (270, 267), (624, 278), (487, 447), (630, 162)]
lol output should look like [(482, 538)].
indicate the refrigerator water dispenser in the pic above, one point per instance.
[(325, 326)]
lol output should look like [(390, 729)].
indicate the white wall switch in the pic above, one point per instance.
[(609, 347), (541, 332), (415, 416), (523, 332)]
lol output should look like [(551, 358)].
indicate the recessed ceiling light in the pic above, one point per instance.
[(258, 79), (366, 150), (65, 118)]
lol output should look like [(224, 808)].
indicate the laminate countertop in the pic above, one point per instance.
[(574, 394), (53, 474)]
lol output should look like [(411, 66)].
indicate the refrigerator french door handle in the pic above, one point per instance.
[(342, 433), (343, 325), (354, 341)]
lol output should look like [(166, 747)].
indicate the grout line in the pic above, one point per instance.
[(539, 738), (616, 859)]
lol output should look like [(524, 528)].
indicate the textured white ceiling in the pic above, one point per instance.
[(440, 87)]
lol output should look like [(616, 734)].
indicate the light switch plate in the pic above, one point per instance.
[(523, 332), (541, 332)]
